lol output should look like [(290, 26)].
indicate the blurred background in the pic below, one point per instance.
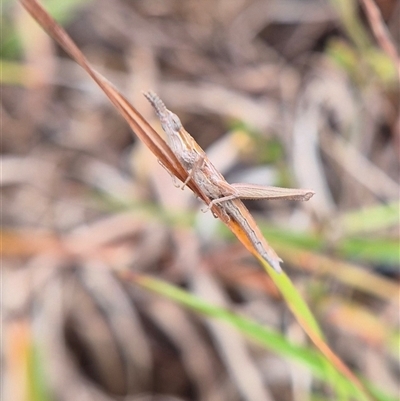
[(288, 93)]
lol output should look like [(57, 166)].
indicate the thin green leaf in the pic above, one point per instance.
[(370, 219), (267, 338)]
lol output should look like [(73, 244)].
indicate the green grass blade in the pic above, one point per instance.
[(267, 338)]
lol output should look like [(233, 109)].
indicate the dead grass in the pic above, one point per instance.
[(278, 93)]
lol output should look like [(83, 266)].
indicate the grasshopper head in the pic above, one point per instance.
[(174, 122)]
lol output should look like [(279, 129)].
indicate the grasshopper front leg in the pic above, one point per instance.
[(197, 166)]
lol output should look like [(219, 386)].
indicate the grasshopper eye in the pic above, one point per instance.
[(175, 122)]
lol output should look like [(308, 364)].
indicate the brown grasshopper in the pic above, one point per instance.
[(212, 183)]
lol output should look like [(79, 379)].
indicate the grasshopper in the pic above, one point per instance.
[(227, 197)]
